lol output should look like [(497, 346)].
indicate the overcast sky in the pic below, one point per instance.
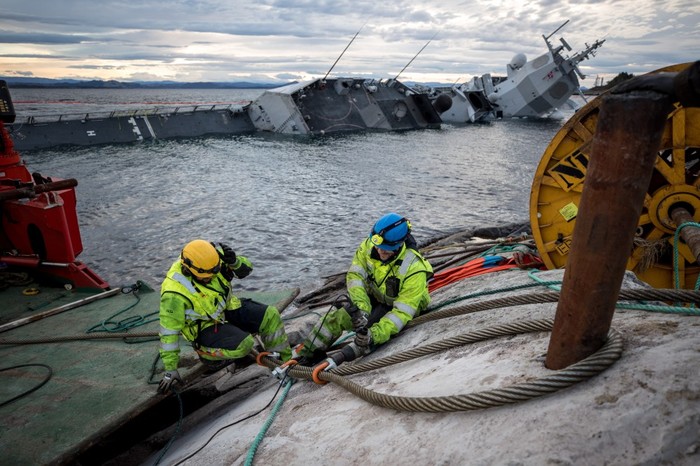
[(282, 40)]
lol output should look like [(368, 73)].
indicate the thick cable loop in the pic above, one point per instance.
[(582, 370), (526, 326), (588, 367)]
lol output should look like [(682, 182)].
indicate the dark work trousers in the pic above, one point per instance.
[(239, 324)]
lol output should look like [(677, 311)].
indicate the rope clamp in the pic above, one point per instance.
[(262, 354), (326, 365), (281, 371)]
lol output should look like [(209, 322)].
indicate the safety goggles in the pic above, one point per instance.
[(213, 270)]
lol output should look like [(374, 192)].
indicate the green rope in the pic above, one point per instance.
[(640, 306), (177, 428), (656, 308), (556, 286), (676, 274), (552, 284), (495, 250), (268, 423), (490, 292), (111, 326)]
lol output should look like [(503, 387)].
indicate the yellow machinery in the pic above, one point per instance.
[(675, 183)]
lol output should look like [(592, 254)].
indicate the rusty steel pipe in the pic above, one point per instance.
[(690, 233), (32, 191), (623, 153)]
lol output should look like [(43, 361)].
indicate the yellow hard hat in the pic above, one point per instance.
[(200, 258)]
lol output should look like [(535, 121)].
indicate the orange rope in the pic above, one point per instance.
[(473, 268)]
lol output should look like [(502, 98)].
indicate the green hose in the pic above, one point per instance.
[(268, 423)]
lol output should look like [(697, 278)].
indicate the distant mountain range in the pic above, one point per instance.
[(19, 82)]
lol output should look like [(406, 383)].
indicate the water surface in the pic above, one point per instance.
[(296, 206)]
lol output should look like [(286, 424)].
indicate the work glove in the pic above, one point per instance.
[(363, 338), (169, 380), (358, 317), (227, 255), (525, 258), (228, 260)]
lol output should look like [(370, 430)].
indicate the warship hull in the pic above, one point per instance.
[(342, 105), (129, 127), (317, 107)]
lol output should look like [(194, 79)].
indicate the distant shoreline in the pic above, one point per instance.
[(46, 83), (20, 85)]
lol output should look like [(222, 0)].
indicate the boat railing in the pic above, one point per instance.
[(237, 107)]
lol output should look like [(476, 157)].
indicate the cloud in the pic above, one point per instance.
[(39, 38), (218, 40)]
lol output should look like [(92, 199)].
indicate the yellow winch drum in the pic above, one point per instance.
[(559, 180)]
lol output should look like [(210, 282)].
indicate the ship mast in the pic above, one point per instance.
[(407, 64), (343, 52)]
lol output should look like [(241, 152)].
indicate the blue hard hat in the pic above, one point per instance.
[(390, 232)]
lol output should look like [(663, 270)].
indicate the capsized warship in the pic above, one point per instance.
[(534, 89), (323, 106), (316, 107)]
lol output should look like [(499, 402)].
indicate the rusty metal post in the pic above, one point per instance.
[(623, 152)]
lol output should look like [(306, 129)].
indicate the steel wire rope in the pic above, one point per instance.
[(575, 373), (490, 292), (582, 370), (551, 296), (78, 337), (666, 309)]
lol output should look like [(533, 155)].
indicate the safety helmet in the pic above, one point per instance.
[(200, 258), (390, 232)]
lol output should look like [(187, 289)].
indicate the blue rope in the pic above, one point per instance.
[(268, 423)]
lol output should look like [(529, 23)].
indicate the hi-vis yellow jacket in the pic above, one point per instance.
[(187, 307), (368, 276)]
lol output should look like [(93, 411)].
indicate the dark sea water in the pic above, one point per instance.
[(296, 207)]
